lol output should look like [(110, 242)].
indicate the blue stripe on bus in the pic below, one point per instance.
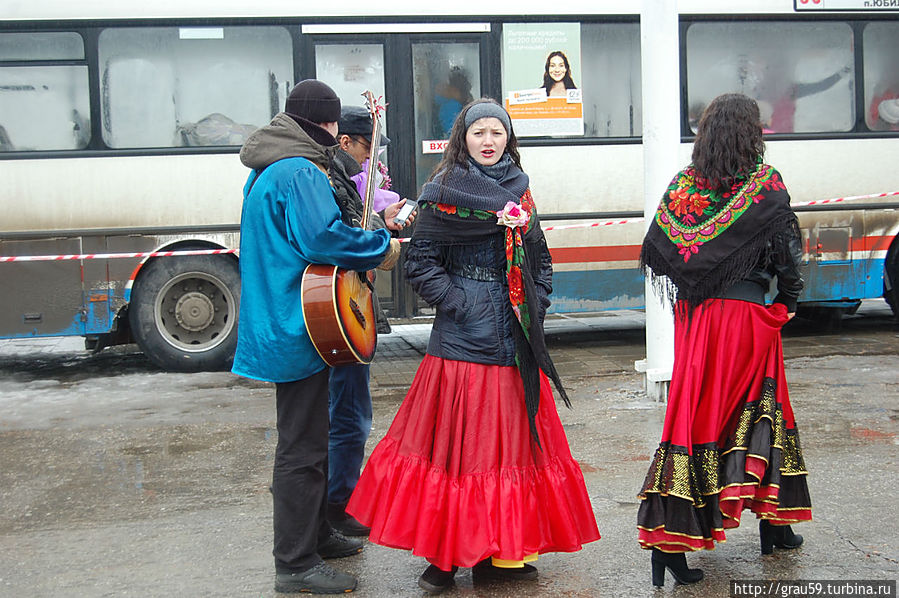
[(598, 290), (76, 328), (834, 280)]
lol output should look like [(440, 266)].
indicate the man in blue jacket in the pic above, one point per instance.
[(289, 220)]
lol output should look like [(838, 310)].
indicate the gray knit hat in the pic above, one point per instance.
[(487, 110)]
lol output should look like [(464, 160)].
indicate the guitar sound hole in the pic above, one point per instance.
[(354, 307)]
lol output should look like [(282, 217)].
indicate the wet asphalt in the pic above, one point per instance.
[(117, 479)]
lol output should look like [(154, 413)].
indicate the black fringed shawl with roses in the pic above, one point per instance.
[(706, 240), (462, 208)]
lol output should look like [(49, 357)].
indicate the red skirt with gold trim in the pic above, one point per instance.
[(729, 441), (457, 478)]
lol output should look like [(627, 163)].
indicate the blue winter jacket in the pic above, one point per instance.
[(289, 220)]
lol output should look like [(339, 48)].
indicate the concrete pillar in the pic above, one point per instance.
[(661, 142)]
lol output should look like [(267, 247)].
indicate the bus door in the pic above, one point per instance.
[(425, 79)]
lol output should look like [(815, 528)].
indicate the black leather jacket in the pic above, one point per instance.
[(784, 263), (467, 284)]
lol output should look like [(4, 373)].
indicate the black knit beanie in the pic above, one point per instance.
[(313, 100)]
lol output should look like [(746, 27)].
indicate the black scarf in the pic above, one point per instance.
[(706, 240), (460, 209), (343, 167)]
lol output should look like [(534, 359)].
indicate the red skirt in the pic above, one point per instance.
[(458, 478), (729, 441)]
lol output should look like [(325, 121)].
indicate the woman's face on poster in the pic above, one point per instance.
[(557, 68)]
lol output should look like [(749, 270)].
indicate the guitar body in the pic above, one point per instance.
[(338, 305), (339, 311)]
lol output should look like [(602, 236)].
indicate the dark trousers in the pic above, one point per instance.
[(300, 477), (350, 406)]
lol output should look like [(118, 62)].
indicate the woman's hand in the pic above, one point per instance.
[(790, 315)]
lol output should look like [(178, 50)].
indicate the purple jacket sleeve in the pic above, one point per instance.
[(382, 197)]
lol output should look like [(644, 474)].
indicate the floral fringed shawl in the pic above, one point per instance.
[(704, 240)]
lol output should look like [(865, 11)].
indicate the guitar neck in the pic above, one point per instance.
[(372, 168)]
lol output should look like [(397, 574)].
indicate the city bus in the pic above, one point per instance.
[(120, 126)]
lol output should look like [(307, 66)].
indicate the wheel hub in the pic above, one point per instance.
[(194, 311)]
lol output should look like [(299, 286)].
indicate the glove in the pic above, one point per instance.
[(391, 257)]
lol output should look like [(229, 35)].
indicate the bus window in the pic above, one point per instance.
[(41, 46), (881, 53), (351, 69), (801, 73), (611, 80), (445, 76), (171, 86), (43, 107)]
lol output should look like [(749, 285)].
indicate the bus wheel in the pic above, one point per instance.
[(891, 279), (183, 312)]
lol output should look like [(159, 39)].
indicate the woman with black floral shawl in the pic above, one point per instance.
[(724, 229), (475, 470)]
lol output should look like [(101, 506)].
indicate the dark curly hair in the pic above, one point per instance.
[(456, 152), (729, 141)]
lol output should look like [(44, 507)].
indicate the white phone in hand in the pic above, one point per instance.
[(405, 211)]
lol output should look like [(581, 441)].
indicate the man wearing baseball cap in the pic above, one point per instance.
[(289, 220), (350, 396)]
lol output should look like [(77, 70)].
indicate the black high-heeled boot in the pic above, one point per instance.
[(781, 536), (766, 536), (675, 562)]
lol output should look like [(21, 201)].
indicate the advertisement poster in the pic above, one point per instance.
[(542, 84)]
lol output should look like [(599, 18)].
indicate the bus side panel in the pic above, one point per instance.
[(161, 191), (97, 295), (596, 267), (41, 298), (844, 253)]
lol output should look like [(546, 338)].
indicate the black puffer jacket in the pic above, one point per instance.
[(467, 284)]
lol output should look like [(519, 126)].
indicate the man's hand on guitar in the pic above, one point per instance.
[(391, 257)]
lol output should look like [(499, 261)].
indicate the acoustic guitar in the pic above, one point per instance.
[(338, 304)]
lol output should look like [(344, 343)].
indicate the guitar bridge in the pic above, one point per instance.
[(360, 317)]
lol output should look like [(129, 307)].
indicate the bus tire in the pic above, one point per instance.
[(891, 278), (183, 312)]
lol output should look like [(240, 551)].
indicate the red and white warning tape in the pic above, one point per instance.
[(109, 256), (839, 199), (148, 254), (594, 224)]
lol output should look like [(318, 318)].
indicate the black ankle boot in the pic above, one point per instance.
[(781, 536), (785, 538), (675, 562), (435, 580)]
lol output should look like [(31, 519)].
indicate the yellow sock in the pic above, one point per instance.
[(507, 564)]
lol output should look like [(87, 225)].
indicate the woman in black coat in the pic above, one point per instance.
[(475, 470)]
